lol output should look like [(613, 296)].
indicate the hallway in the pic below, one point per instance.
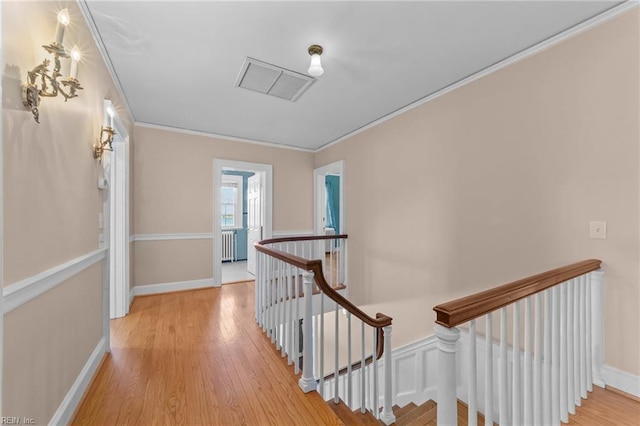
[(196, 358)]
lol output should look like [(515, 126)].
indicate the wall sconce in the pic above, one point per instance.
[(106, 138), (50, 86), (315, 68)]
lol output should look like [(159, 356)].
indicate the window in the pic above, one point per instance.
[(231, 201)]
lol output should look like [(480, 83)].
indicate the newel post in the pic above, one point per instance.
[(597, 325), (447, 375), (307, 382), (387, 410)]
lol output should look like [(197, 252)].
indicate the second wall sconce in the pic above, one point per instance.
[(105, 143), (49, 86)]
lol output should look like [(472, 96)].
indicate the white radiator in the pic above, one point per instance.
[(228, 246)]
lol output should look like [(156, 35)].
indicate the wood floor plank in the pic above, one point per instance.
[(197, 358)]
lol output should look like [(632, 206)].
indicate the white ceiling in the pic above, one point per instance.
[(177, 61)]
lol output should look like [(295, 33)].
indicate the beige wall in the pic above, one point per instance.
[(499, 179), (173, 193), (51, 206)]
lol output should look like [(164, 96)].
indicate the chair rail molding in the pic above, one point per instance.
[(173, 236), (23, 291)]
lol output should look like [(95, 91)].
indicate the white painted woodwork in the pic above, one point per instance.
[(546, 380), (488, 381), (336, 349), (447, 400), (362, 375), (375, 394), (307, 382), (503, 390), (571, 403), (527, 391), (255, 215), (516, 393), (576, 343), (596, 279), (537, 361), (349, 363), (387, 416), (588, 333), (583, 340), (563, 378), (472, 394), (555, 356)]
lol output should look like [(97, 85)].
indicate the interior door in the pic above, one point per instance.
[(254, 219)]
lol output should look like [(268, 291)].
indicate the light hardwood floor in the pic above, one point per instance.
[(197, 358)]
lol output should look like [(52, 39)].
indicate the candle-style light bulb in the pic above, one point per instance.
[(63, 21), (75, 58), (110, 113)]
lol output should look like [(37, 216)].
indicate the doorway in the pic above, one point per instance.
[(328, 191), (242, 205), (115, 218)]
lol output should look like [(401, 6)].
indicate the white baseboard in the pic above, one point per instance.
[(145, 290), (621, 380), (67, 409)]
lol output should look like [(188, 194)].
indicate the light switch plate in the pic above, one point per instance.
[(598, 229), (101, 241)]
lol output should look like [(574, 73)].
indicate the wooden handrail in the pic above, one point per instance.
[(459, 311), (304, 238), (315, 266)]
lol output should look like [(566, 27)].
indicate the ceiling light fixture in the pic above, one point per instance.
[(49, 84), (315, 68)]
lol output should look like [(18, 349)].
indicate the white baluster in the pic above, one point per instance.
[(473, 385), (447, 401), (555, 356), (375, 395), (336, 397), (363, 408), (528, 363), (256, 302), (571, 403), (583, 340), (588, 330), (307, 382), (278, 319), (546, 380), (503, 391), (576, 342), (564, 412), (296, 287), (537, 362), (296, 334), (488, 382), (597, 325), (516, 417), (387, 411), (321, 319), (349, 375)]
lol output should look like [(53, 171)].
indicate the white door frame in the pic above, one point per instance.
[(336, 168), (218, 166), (116, 220), (1, 232)]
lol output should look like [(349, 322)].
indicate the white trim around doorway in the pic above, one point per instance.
[(218, 166)]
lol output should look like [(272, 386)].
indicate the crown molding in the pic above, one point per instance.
[(543, 45), (221, 137)]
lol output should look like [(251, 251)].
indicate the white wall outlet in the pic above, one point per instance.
[(598, 229), (100, 221), (101, 241)]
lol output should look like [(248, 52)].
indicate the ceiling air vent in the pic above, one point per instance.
[(272, 80)]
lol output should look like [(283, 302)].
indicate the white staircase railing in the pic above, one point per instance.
[(298, 306), (548, 355)]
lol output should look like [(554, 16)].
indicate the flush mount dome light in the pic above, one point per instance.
[(315, 68)]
